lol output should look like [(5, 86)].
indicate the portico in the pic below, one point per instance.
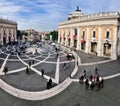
[(8, 31)]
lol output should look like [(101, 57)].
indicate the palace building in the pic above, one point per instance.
[(98, 34), (8, 31)]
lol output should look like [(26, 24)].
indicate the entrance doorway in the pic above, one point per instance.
[(93, 47), (107, 49)]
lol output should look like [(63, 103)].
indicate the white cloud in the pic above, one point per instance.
[(46, 14)]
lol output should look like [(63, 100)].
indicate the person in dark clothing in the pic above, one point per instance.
[(48, 85), (5, 70), (92, 86), (27, 70), (56, 49), (42, 71), (86, 84), (64, 65), (84, 73), (50, 82), (91, 77), (101, 83), (81, 79), (29, 64), (97, 79), (96, 71)]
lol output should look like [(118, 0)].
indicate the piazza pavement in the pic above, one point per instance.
[(19, 89)]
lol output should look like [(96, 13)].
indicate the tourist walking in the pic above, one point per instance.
[(27, 70), (42, 71), (50, 82), (5, 70), (64, 66), (96, 71), (29, 63), (84, 73)]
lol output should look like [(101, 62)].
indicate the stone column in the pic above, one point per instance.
[(15, 33), (59, 33), (78, 38), (87, 47), (1, 35), (66, 37), (62, 36), (99, 43), (11, 30), (71, 38), (7, 34), (114, 45)]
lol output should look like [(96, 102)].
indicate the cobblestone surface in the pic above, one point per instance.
[(88, 58), (74, 95)]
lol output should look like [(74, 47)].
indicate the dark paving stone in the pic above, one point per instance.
[(105, 69), (2, 55), (14, 65), (44, 53), (88, 58), (13, 57), (23, 57), (65, 73), (30, 60), (74, 95), (40, 58), (49, 68), (32, 56), (52, 59), (1, 62), (30, 53), (31, 82), (52, 55), (64, 58)]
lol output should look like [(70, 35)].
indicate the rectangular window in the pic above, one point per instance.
[(107, 34), (94, 34), (64, 34), (69, 34), (83, 33), (75, 31)]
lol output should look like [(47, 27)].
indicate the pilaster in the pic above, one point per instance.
[(78, 38), (87, 47), (99, 43), (114, 46)]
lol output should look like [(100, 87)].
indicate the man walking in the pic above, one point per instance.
[(42, 72), (27, 70)]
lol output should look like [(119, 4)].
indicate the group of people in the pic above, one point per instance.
[(70, 56), (92, 82)]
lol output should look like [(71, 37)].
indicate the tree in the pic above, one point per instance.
[(54, 35)]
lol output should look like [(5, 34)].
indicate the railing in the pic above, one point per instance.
[(93, 16)]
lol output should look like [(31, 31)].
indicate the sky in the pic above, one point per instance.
[(44, 15)]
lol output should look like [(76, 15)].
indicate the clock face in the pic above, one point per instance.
[(35, 72)]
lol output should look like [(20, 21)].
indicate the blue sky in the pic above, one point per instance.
[(44, 15)]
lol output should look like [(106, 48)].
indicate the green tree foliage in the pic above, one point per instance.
[(54, 35)]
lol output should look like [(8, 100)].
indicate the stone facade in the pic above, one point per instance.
[(96, 33), (8, 31)]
